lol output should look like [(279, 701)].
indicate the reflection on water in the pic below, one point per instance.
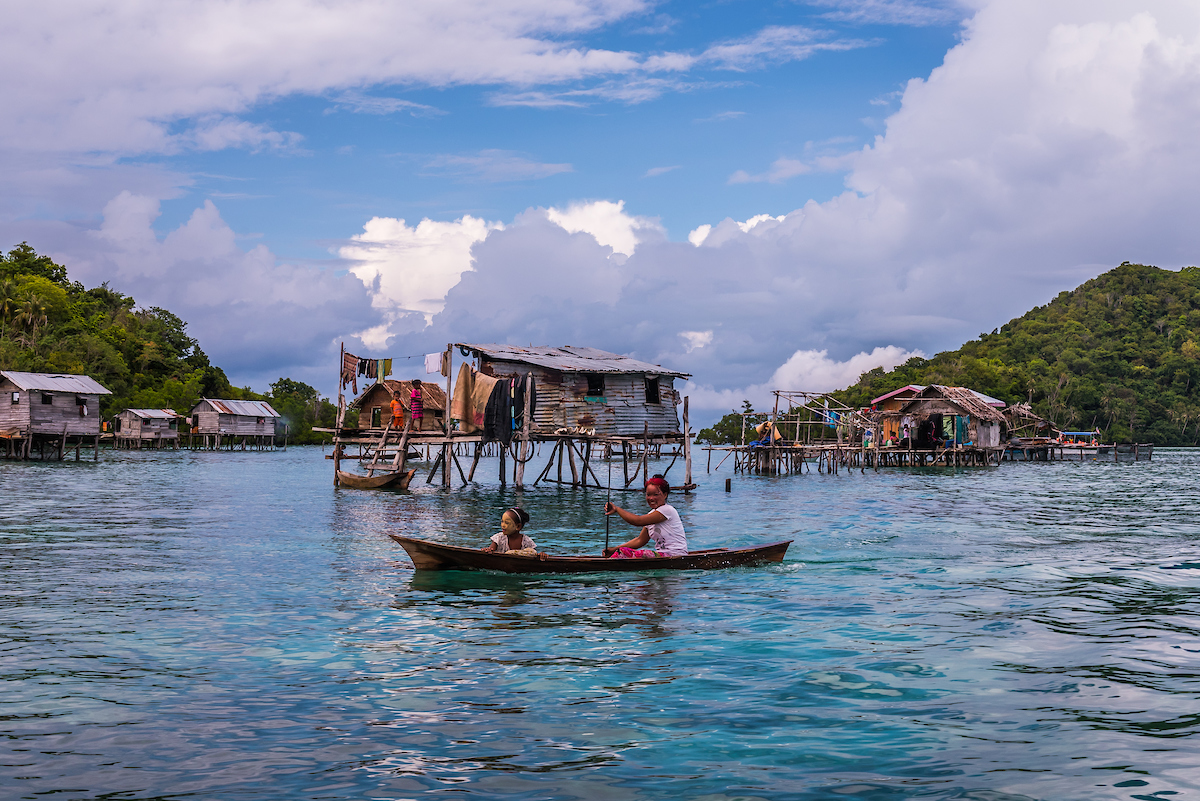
[(232, 626)]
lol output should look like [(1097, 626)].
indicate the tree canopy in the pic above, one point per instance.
[(145, 356)]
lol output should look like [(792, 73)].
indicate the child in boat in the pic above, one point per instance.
[(511, 539)]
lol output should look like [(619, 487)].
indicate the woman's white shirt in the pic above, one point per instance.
[(668, 535)]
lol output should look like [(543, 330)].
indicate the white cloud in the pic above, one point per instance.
[(361, 103), (254, 316), (814, 371), (775, 44), (781, 170), (696, 339), (894, 12), (654, 172), (1055, 141), (607, 222), (410, 269), (493, 166)]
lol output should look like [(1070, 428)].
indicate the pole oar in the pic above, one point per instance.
[(607, 516)]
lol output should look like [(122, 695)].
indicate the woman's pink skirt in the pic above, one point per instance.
[(634, 553)]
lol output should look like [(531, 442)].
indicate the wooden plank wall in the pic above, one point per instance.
[(562, 401), (13, 415), (62, 411)]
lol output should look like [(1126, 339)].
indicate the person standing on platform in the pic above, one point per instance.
[(416, 403), (397, 411)]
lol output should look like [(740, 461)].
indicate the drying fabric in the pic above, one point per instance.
[(471, 395), (387, 368), (350, 370), (497, 414), (433, 363), (517, 391)]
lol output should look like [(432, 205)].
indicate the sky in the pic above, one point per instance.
[(765, 195)]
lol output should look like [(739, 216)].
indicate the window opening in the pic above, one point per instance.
[(652, 394), (376, 417), (47, 399), (595, 385)]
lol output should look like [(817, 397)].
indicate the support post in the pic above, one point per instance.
[(687, 449)]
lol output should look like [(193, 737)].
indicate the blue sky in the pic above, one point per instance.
[(766, 195)]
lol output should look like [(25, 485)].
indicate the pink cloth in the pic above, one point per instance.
[(632, 553)]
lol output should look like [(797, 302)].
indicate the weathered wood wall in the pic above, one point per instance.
[(31, 414), (563, 401), (134, 427), (213, 422)]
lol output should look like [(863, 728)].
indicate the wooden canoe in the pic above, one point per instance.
[(381, 481), (432, 556)]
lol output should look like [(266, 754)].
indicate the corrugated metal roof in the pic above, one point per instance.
[(155, 414), (571, 359), (55, 382), (243, 408), (966, 399)]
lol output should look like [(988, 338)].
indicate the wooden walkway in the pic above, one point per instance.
[(784, 459)]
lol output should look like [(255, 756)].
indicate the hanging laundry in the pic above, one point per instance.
[(350, 367), (433, 363), (498, 414), (387, 368), (471, 394)]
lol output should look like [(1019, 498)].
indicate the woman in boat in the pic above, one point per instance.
[(661, 524), (511, 539)]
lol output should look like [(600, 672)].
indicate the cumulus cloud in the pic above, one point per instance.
[(607, 222), (1056, 140), (805, 370), (411, 268), (254, 316)]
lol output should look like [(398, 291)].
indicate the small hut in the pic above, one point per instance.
[(375, 410), (226, 421), (153, 428), (588, 389), (50, 406), (951, 416)]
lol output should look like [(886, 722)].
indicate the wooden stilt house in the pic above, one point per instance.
[(152, 428), (55, 407), (946, 416), (224, 422), (375, 409), (588, 390)]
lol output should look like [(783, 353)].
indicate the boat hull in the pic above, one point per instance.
[(383, 481), (432, 556)]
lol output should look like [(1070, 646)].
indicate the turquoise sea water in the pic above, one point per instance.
[(230, 626)]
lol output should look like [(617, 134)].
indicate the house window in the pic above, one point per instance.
[(47, 399), (81, 402), (173, 425), (16, 397), (652, 394), (595, 386), (195, 421), (261, 420), (376, 415)]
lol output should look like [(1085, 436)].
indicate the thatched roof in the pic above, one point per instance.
[(432, 396), (961, 397)]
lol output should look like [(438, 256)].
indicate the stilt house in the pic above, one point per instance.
[(234, 418), (897, 399), (50, 403), (951, 416), (375, 405), (588, 389), (156, 428)]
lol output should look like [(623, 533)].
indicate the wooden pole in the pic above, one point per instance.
[(525, 432), (475, 460), (687, 449), (402, 451), (570, 445), (645, 451)]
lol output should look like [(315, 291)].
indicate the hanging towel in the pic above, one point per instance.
[(433, 363), (497, 415), (350, 371), (387, 368)]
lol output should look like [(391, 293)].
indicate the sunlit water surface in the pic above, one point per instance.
[(198, 625)]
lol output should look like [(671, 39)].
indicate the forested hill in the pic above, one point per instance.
[(1120, 352), (49, 324)]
